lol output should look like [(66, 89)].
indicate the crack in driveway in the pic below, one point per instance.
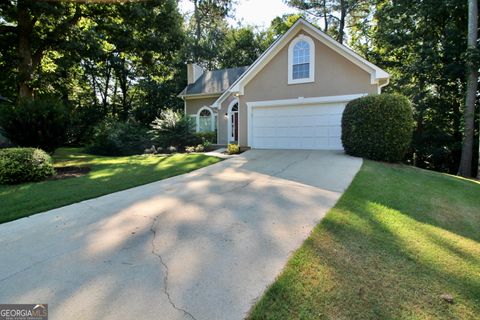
[(165, 278), (160, 258)]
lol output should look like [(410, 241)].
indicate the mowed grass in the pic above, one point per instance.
[(397, 240), (108, 174)]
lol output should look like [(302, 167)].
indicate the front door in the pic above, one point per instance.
[(234, 121)]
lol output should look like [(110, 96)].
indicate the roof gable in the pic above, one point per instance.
[(376, 73)]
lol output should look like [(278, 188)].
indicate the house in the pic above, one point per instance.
[(291, 97)]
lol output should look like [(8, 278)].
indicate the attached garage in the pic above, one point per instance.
[(310, 123)]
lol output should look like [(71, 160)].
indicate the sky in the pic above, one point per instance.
[(251, 12)]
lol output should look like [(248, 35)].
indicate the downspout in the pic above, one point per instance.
[(184, 105), (380, 86)]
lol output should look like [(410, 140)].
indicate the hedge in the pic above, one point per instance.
[(378, 127)]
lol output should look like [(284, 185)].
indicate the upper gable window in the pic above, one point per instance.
[(301, 60)]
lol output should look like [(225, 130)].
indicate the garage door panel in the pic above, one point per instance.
[(297, 127), (335, 132)]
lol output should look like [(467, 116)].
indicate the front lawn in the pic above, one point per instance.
[(108, 174), (397, 240)]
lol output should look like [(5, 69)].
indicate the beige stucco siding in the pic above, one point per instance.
[(334, 75), (193, 105)]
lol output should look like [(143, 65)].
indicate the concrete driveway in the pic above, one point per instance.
[(203, 245)]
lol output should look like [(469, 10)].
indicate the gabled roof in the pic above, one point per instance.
[(377, 75), (213, 82)]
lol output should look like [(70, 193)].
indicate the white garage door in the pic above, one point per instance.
[(298, 127)]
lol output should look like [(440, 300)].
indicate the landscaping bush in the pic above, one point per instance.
[(233, 148), (40, 123), (378, 127), (173, 129), (116, 138), (209, 137), (200, 148), (189, 149), (24, 164)]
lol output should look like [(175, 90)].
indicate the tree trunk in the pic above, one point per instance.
[(196, 13), (25, 63), (325, 15), (341, 27), (465, 168)]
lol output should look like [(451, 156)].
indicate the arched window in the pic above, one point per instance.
[(205, 120), (301, 59)]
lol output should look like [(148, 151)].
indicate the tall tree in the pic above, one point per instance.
[(241, 47), (333, 13), (465, 168), (209, 27), (120, 60), (38, 27)]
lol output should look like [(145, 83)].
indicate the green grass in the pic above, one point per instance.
[(396, 241), (108, 174)]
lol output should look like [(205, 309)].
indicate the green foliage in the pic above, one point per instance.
[(120, 60), (233, 148), (241, 47), (422, 45), (19, 165), (207, 136), (334, 14), (207, 28), (378, 127), (173, 129), (40, 123), (85, 118), (117, 138)]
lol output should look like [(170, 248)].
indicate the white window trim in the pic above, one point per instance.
[(212, 124), (229, 120), (311, 78), (292, 102)]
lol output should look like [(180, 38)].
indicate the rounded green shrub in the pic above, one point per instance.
[(378, 127), (19, 165)]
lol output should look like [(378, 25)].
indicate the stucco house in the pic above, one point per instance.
[(291, 97)]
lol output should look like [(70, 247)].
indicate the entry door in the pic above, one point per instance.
[(234, 121), (298, 127)]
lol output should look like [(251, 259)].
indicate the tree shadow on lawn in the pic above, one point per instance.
[(434, 198), (104, 178), (374, 260)]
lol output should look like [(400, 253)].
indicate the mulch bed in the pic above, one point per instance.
[(69, 172)]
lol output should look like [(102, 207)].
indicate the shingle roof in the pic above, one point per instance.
[(215, 81)]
